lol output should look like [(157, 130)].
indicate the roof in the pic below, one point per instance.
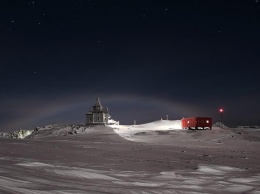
[(98, 103), (98, 107)]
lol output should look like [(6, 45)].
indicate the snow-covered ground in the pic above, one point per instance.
[(161, 127), (52, 178), (157, 157)]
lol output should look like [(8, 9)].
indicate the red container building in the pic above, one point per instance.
[(196, 123)]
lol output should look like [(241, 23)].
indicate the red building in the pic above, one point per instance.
[(196, 123)]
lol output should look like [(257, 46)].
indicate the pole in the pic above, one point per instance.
[(221, 111), (221, 120), (166, 117)]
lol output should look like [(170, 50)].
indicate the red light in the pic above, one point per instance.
[(221, 110)]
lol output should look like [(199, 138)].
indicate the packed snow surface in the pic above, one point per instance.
[(128, 131), (157, 157)]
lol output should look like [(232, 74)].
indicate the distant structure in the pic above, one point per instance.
[(99, 115), (196, 123)]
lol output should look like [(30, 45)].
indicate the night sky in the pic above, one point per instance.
[(145, 59)]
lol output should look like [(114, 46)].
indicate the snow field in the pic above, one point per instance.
[(66, 179)]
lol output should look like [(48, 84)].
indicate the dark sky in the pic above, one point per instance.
[(145, 59)]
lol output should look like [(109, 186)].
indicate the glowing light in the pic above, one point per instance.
[(221, 110)]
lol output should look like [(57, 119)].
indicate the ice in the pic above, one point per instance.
[(34, 164), (83, 174), (239, 188), (216, 170)]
